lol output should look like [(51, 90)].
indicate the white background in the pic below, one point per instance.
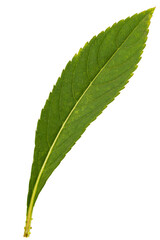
[(108, 186)]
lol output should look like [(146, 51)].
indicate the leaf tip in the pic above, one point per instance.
[(151, 11)]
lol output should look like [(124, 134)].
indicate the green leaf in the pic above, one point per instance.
[(92, 80)]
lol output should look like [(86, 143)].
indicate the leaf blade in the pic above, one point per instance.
[(88, 84)]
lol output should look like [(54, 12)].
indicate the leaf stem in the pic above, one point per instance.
[(28, 225)]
